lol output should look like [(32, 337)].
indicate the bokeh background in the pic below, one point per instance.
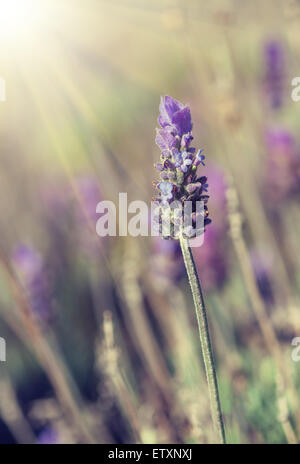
[(101, 336)]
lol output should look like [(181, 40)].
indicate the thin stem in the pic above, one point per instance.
[(205, 340)]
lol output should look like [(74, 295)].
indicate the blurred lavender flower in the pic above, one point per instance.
[(282, 171), (89, 195), (48, 436), (262, 270), (166, 261), (30, 268), (58, 219), (55, 201), (179, 161), (218, 201), (274, 73), (74, 209), (211, 257)]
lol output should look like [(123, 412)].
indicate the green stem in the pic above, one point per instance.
[(205, 340)]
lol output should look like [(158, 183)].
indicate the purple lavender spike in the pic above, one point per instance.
[(282, 169), (274, 73), (30, 268), (214, 251), (179, 161)]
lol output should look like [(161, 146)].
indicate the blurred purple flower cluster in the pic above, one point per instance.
[(262, 267), (166, 260), (48, 436), (71, 213), (282, 171), (211, 257), (89, 195), (30, 268), (274, 73)]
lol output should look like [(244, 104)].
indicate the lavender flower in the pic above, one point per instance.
[(166, 261), (274, 73), (213, 251), (57, 215), (218, 200), (180, 184), (30, 268), (179, 162), (262, 267), (48, 436), (89, 195), (55, 201), (282, 171)]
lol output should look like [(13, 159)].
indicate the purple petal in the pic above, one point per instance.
[(182, 121), (164, 139), (172, 105), (168, 106)]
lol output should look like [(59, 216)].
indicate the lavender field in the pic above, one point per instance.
[(131, 338)]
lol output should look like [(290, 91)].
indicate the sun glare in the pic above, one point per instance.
[(20, 19)]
